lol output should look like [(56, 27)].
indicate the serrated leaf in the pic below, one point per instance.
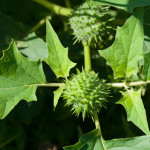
[(89, 141), (57, 55), (33, 47), (123, 55), (19, 77), (92, 141), (135, 143), (127, 5), (146, 52), (133, 104), (57, 95)]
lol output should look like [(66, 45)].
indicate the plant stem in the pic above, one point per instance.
[(68, 3), (39, 24), (129, 84), (109, 84), (51, 85), (87, 57), (97, 123), (58, 10), (87, 61), (8, 141)]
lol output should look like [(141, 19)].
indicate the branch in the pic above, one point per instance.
[(129, 84), (58, 10), (123, 84), (39, 24)]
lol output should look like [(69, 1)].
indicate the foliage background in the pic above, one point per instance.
[(30, 125)]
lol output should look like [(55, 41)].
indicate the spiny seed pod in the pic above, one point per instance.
[(86, 93), (90, 24)]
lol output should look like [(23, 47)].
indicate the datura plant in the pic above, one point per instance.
[(84, 91)]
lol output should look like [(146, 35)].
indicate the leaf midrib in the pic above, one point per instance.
[(19, 86), (57, 54)]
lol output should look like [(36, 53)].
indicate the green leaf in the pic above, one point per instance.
[(146, 52), (9, 28), (57, 95), (92, 141), (136, 143), (33, 47), (146, 45), (127, 5), (57, 55), (133, 104), (123, 55), (89, 141), (19, 78)]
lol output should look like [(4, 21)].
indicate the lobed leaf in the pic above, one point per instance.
[(146, 45), (57, 55), (123, 55), (146, 66), (133, 104), (92, 141), (127, 5), (89, 141), (57, 95), (33, 47), (19, 77), (135, 143)]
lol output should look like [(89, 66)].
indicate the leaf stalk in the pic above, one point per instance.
[(39, 24), (58, 10), (97, 123)]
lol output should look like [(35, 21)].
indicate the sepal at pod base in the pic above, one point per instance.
[(86, 93)]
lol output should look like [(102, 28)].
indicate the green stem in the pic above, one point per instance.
[(129, 84), (87, 61), (68, 3), (109, 84), (58, 10), (97, 123), (39, 24), (87, 57), (8, 141)]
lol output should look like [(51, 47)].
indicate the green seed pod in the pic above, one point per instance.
[(86, 93), (90, 24)]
